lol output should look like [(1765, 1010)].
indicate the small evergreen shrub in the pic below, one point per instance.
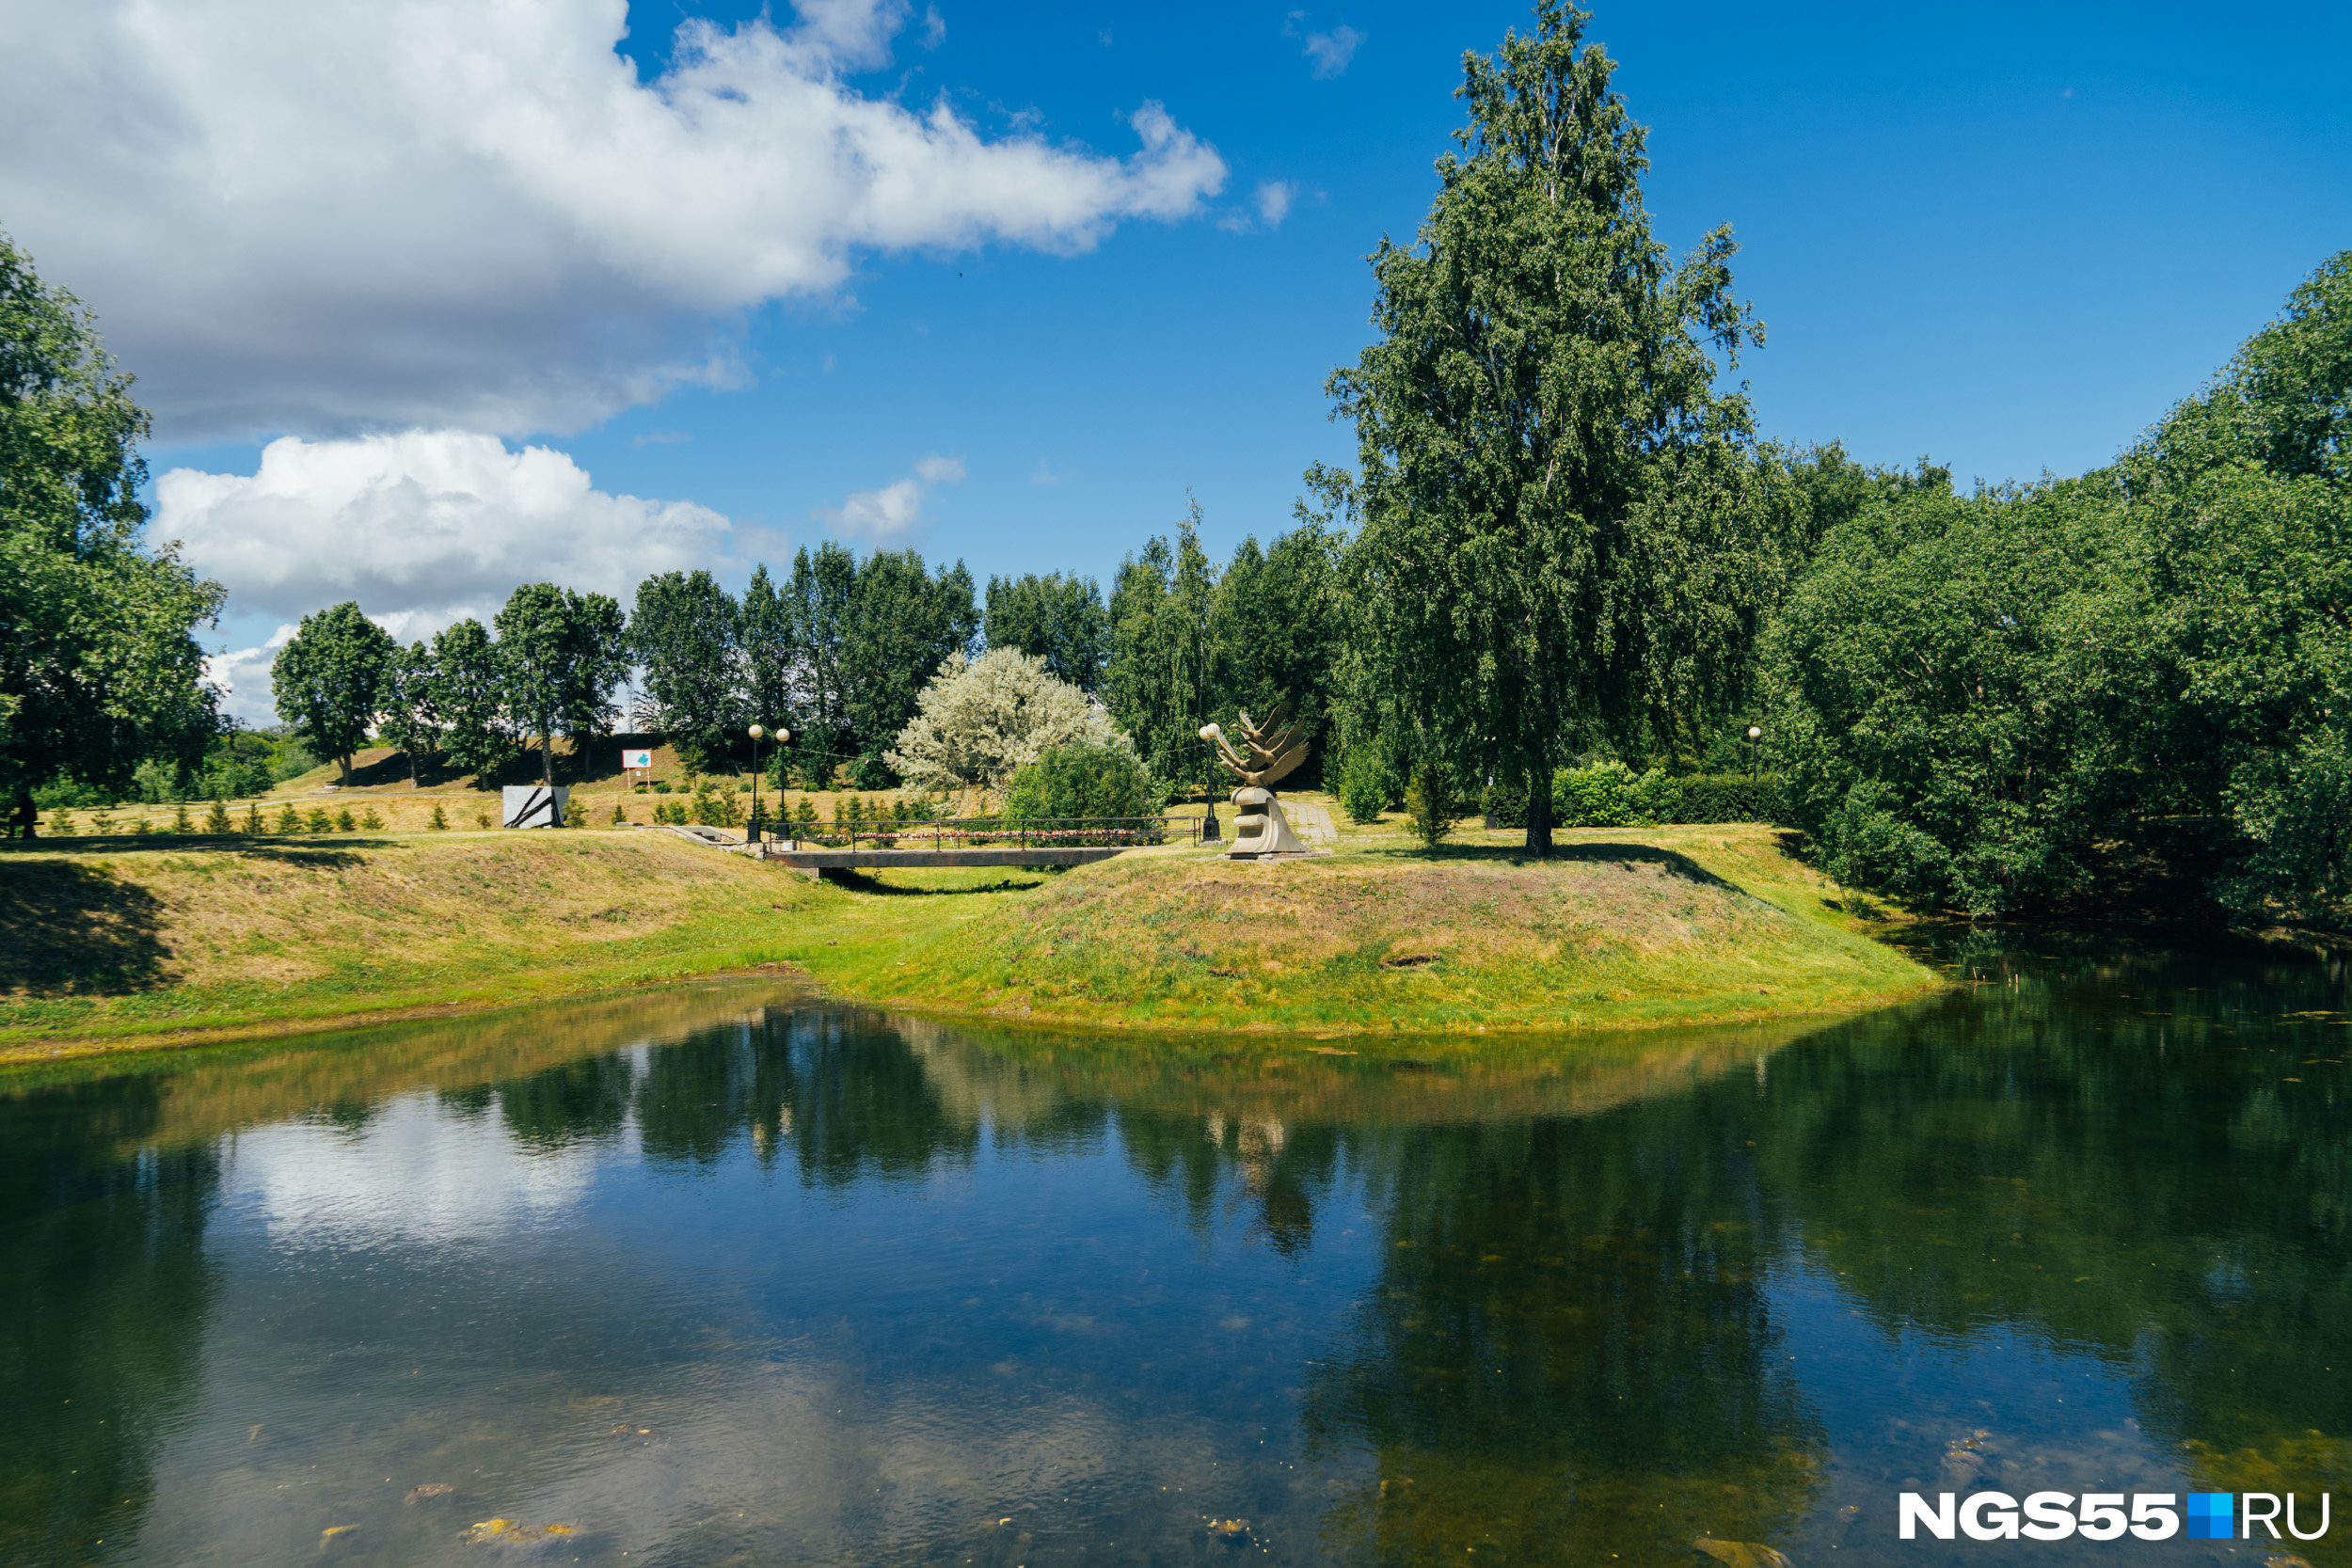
[(102, 822), (372, 822), (61, 822), (216, 820), (620, 814), (481, 820), (252, 826), (344, 824), (574, 812), (318, 821), (660, 786), (289, 820), (181, 821), (1363, 787), (440, 822), (1431, 805)]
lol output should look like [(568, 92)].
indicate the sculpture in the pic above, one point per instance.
[(1271, 753)]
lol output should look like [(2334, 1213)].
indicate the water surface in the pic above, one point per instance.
[(730, 1276)]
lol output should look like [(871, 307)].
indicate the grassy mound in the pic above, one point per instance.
[(1672, 926), (199, 938)]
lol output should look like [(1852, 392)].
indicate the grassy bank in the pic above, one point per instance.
[(151, 942), (1622, 928), (200, 938)]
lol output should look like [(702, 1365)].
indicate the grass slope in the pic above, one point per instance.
[(199, 938), (178, 941), (1667, 926)]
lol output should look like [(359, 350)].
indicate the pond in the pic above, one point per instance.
[(728, 1274)]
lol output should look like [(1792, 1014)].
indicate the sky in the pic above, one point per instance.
[(433, 297)]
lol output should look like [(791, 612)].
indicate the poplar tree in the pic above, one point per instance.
[(687, 634), (330, 681), (1555, 537), (469, 695), (561, 655)]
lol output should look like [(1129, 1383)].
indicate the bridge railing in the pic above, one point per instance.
[(994, 832)]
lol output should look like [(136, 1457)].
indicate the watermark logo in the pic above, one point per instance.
[(2104, 1516), (2211, 1516)]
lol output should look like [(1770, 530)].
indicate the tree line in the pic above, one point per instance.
[(1563, 544)]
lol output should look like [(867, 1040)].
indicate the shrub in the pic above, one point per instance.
[(1732, 797), (252, 824), (620, 814), (660, 786), (372, 822), (439, 823), (804, 815), (482, 819), (289, 820), (181, 821), (1363, 787), (102, 822), (318, 821), (1504, 805), (344, 824), (61, 822), (1431, 805), (1086, 778), (574, 812), (1595, 797), (216, 820)]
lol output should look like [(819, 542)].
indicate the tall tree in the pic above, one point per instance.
[(1277, 629), (411, 720), (99, 663), (903, 624), (1059, 618), (1162, 604), (768, 653), (561, 655), (687, 634), (819, 597), (469, 696), (331, 680), (1554, 498)]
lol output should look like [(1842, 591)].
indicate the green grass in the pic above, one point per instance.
[(168, 941), (1622, 929)]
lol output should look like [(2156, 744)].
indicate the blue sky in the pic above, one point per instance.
[(2005, 237)]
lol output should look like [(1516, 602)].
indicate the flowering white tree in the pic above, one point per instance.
[(979, 719)]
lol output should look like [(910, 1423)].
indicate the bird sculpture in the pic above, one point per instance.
[(1269, 752)]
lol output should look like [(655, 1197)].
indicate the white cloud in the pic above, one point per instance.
[(421, 529), (886, 515), (1331, 51), (331, 216), (1274, 201)]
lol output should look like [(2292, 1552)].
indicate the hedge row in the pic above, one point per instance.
[(1611, 795)]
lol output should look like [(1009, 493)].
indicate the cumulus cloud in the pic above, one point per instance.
[(1274, 201), (1329, 51), (338, 216), (421, 529), (887, 515)]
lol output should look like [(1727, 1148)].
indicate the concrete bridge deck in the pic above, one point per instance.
[(811, 863)]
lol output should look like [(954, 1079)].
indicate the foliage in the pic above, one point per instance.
[(439, 821), (1363, 787), (99, 663), (1562, 526), (768, 653), (468, 696), (216, 820), (1156, 685), (1061, 620), (979, 719), (290, 821), (1086, 778), (344, 822), (1960, 680), (1431, 804), (331, 679), (410, 718), (904, 624), (686, 633), (1275, 633), (574, 812), (560, 654)]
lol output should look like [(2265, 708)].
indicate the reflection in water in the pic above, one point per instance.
[(724, 1274)]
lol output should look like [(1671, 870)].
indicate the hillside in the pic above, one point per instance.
[(1622, 928)]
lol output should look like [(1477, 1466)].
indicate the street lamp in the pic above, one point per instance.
[(1209, 831), (1755, 733), (758, 734)]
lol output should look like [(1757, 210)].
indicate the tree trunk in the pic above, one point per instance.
[(1539, 818), (344, 762), (546, 761)]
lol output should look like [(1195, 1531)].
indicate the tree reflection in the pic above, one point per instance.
[(106, 1290)]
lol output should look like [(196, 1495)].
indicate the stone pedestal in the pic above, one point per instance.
[(1262, 830)]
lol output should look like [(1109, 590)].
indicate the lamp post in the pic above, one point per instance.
[(1755, 733), (1209, 831), (758, 734)]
